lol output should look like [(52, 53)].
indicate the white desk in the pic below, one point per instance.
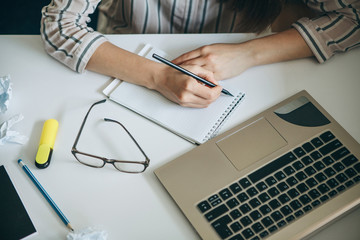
[(137, 206)]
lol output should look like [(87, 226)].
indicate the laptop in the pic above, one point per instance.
[(282, 174)]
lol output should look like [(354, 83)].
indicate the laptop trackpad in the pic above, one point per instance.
[(251, 143)]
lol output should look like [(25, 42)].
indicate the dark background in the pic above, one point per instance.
[(23, 16)]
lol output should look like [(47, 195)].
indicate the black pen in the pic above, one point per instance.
[(167, 62)]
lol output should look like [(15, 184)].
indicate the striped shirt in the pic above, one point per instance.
[(68, 39)]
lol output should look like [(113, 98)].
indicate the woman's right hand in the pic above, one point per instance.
[(183, 89)]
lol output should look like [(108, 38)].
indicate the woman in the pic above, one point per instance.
[(334, 26)]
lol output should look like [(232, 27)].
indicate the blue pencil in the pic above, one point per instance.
[(45, 194)]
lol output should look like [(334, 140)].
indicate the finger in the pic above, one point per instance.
[(187, 56)]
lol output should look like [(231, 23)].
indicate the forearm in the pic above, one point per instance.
[(284, 46), (113, 61)]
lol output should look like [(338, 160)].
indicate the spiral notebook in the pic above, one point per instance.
[(194, 125)]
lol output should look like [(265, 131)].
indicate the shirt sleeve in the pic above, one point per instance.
[(336, 29), (65, 33)]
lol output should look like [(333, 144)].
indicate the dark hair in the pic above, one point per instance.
[(256, 15)]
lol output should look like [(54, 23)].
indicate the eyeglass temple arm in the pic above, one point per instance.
[(83, 123), (111, 120)]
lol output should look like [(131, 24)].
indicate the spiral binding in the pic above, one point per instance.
[(220, 122)]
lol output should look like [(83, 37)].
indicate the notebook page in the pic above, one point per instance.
[(193, 123)]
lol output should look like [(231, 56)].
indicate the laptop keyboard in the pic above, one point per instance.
[(282, 191)]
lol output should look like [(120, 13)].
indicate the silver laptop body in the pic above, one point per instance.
[(282, 174)]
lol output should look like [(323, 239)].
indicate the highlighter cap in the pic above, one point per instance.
[(46, 144)]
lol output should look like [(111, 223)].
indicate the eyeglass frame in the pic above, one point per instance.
[(105, 160)]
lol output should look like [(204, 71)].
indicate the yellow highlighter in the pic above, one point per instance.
[(46, 145)]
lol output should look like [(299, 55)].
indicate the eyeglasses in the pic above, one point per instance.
[(99, 162)]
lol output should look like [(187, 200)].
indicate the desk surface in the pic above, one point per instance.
[(137, 206)]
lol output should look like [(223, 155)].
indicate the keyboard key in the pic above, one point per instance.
[(232, 203), (298, 165), (350, 172), (319, 165), (281, 223), (279, 175), (311, 182), (324, 198), (261, 186), (276, 216), (204, 206), (300, 176), (252, 191), (216, 202), (329, 172), (235, 214), (291, 181), (307, 208), (264, 234), (349, 183), (265, 209), (307, 160), (339, 166), (332, 193), (340, 188), (270, 181), (299, 152), (273, 192), (328, 160), (272, 229), (315, 155), (317, 142), (236, 226), (272, 167), (254, 202), (350, 160), (242, 197), (257, 227), (340, 153), (283, 198), (304, 199), (255, 215), (341, 177), (267, 221), (237, 237), (248, 233), (274, 204), (316, 203), (332, 183), (235, 188), (216, 212), (221, 227), (213, 198), (310, 171), (302, 187), (289, 170), (357, 167), (320, 177), (323, 188), (225, 194), (327, 136), (264, 197), (244, 182), (295, 205), (290, 218), (308, 147), (245, 208), (282, 186), (328, 148), (293, 193), (299, 213), (245, 221), (314, 193)]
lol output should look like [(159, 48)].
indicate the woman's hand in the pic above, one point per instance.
[(185, 90), (224, 60)]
